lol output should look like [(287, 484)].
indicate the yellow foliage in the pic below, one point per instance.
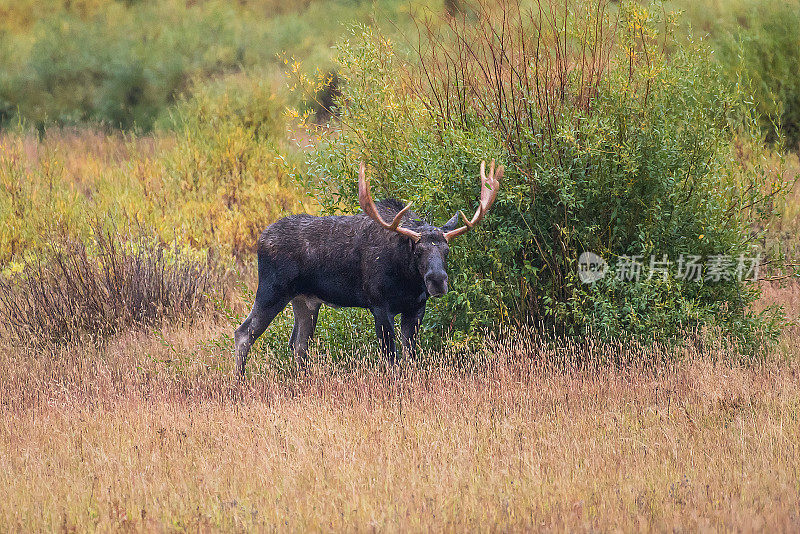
[(217, 196)]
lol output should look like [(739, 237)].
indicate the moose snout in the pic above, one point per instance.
[(436, 283)]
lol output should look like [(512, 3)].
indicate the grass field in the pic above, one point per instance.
[(173, 125), (157, 435)]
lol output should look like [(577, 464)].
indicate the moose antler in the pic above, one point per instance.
[(489, 187), (367, 204)]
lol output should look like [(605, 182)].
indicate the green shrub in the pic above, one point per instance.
[(611, 146)]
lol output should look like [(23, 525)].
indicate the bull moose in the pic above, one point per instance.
[(355, 261)]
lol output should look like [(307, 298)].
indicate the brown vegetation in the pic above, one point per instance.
[(148, 434), (75, 292)]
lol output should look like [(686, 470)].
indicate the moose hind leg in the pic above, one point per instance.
[(306, 311), (384, 330), (264, 311)]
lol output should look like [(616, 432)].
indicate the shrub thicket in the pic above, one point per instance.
[(215, 181), (611, 146), (224, 181), (75, 291)]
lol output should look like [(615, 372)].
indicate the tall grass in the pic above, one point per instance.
[(154, 434)]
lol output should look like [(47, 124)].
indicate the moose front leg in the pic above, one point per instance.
[(252, 328), (409, 326), (270, 301), (384, 330)]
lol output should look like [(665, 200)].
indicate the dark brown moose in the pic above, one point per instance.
[(355, 261)]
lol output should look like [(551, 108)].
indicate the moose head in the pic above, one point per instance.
[(430, 243)]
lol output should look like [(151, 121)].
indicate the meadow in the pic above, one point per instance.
[(149, 435), (145, 145)]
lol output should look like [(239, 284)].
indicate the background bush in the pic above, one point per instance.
[(766, 51), (757, 42), (122, 64), (224, 180), (215, 180), (612, 146), (75, 291)]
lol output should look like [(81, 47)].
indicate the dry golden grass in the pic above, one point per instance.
[(151, 435)]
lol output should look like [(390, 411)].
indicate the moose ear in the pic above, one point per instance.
[(451, 225)]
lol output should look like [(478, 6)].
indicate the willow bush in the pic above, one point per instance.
[(611, 146)]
